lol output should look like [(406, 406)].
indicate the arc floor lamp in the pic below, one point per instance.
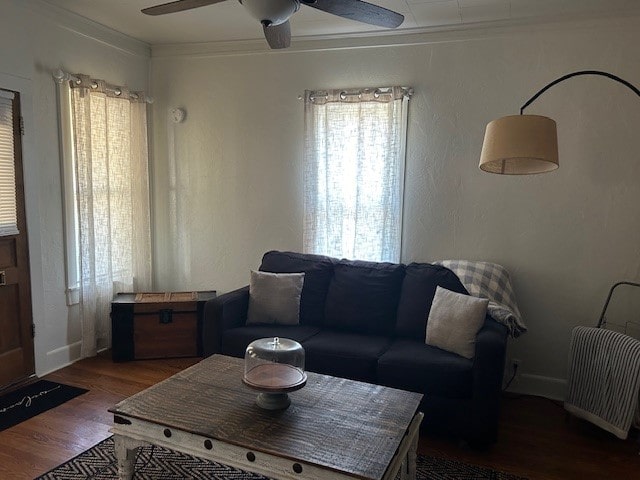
[(526, 144)]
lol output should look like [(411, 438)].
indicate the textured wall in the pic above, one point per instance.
[(42, 39), (565, 237)]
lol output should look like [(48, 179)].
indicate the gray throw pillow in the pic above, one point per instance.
[(274, 298), (454, 321)]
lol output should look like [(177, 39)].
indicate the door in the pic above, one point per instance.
[(16, 334)]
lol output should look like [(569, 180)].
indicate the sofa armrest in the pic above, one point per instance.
[(222, 313), (488, 372)]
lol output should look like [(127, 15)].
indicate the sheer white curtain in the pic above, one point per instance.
[(354, 157), (112, 192)]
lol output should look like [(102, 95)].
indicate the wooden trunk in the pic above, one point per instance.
[(158, 325)]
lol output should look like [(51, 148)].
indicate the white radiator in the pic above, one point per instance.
[(604, 379)]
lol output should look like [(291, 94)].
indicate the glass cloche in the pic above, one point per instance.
[(274, 366)]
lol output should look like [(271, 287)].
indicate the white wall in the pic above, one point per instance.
[(565, 236), (237, 189), (37, 39)]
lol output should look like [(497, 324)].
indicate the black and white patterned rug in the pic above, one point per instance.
[(157, 463)]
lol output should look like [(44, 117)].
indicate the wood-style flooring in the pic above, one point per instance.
[(537, 440)]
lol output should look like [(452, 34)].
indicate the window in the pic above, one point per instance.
[(107, 214), (8, 209), (354, 154)]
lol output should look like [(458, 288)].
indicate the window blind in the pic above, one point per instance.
[(8, 212)]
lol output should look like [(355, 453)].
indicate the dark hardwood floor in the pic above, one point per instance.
[(536, 438)]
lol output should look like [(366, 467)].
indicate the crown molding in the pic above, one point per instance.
[(88, 28), (415, 36)]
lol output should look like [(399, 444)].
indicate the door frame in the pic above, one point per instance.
[(32, 181)]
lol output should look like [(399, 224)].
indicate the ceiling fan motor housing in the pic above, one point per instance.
[(271, 12)]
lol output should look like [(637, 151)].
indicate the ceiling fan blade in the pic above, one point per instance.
[(178, 6), (278, 36), (358, 10)]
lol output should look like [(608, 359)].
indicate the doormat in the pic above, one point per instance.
[(158, 463), (32, 400)]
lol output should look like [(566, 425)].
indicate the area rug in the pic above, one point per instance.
[(157, 463), (32, 400)]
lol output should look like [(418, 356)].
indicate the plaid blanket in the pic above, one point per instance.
[(490, 280)]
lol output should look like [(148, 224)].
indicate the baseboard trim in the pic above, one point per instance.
[(549, 387), (62, 357)]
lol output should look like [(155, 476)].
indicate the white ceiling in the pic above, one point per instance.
[(229, 21)]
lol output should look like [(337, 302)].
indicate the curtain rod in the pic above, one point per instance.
[(61, 76), (407, 91)]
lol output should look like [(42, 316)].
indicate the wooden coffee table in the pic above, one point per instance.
[(334, 428)]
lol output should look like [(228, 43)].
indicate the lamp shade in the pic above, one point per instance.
[(520, 145)]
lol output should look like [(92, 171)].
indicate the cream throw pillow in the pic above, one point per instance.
[(454, 321), (275, 298)]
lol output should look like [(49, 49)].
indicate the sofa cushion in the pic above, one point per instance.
[(363, 297), (235, 340), (454, 321), (412, 365), (342, 354), (274, 298), (418, 288), (318, 271)]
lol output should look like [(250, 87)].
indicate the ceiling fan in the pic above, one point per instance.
[(274, 14)]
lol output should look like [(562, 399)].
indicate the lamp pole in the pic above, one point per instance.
[(576, 74)]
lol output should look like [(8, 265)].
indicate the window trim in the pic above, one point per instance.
[(69, 195)]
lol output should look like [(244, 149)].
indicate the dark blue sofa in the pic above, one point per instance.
[(366, 321)]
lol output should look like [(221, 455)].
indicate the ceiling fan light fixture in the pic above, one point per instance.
[(271, 12), (274, 15)]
